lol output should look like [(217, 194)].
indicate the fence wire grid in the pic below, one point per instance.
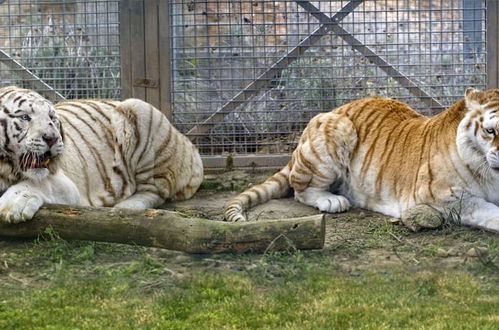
[(238, 59), (246, 76), (64, 49)]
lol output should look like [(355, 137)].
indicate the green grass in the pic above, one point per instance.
[(372, 275), (319, 299), (88, 285)]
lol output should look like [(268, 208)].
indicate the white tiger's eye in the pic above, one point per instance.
[(490, 131), (25, 117)]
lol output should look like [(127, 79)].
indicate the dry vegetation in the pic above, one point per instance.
[(71, 46)]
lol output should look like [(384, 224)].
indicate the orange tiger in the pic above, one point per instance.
[(89, 152), (381, 155)]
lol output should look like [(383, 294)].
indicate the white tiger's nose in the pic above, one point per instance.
[(50, 140)]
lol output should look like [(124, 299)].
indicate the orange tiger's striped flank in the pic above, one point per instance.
[(386, 157)]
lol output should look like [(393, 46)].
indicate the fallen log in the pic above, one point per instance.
[(171, 230)]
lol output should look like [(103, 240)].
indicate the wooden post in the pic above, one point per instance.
[(145, 49), (165, 58), (125, 49), (492, 44)]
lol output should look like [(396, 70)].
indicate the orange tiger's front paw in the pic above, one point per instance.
[(323, 200), (332, 204)]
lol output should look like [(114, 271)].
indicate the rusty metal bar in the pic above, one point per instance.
[(273, 71), (371, 55), (249, 161), (30, 77)]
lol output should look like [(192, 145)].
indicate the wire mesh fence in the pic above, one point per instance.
[(264, 68), (246, 76), (62, 48)]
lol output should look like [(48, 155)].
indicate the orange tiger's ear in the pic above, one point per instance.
[(470, 98), (469, 91)]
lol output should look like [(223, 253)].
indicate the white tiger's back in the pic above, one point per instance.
[(126, 154)]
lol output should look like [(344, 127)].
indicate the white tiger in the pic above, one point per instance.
[(91, 153)]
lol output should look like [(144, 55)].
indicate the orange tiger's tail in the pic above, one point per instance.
[(274, 187)]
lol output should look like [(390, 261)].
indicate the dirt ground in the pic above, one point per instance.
[(358, 239)]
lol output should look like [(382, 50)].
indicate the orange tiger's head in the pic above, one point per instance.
[(478, 132), (30, 133)]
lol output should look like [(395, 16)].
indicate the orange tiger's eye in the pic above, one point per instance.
[(490, 131)]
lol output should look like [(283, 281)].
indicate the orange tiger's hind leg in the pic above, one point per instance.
[(321, 160)]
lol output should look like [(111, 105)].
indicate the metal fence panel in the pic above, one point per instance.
[(62, 48), (248, 75)]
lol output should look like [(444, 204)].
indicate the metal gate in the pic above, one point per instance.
[(248, 75)]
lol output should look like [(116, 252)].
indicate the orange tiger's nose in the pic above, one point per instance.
[(50, 140)]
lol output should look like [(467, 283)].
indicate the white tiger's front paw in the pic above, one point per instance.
[(332, 204), (18, 205), (132, 205), (141, 201)]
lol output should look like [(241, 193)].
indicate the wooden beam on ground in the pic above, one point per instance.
[(171, 230)]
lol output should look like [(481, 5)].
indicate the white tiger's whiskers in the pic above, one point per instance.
[(28, 160)]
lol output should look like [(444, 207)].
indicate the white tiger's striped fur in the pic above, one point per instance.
[(381, 155), (107, 153)]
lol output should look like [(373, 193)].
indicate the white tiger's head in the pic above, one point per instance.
[(30, 133), (478, 132)]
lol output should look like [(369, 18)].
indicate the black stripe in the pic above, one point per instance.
[(17, 127), (104, 127), (22, 137), (148, 136), (85, 168), (3, 122), (7, 92), (98, 160), (86, 124), (94, 105)]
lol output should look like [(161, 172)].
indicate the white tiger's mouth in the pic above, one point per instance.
[(32, 161)]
